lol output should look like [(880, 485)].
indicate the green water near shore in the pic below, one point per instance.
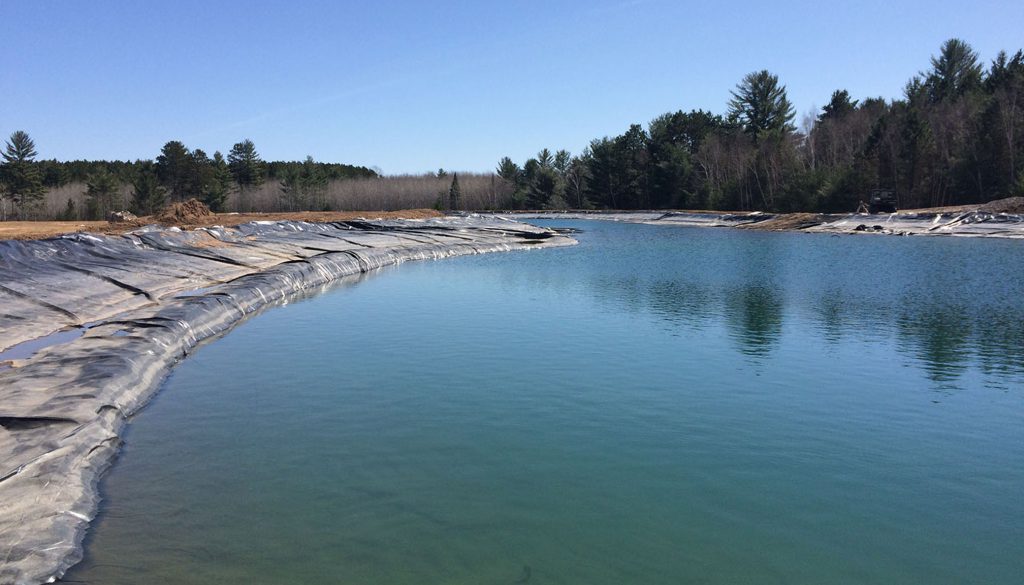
[(655, 405)]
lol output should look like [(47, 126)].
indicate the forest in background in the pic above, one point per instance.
[(956, 136)]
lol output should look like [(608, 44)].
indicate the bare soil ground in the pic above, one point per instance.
[(1008, 205), (187, 216), (32, 230), (786, 222)]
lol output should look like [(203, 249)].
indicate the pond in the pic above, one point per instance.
[(655, 405)]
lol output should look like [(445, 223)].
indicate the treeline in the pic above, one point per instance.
[(955, 137), (144, 186)]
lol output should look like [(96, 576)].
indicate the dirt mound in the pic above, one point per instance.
[(1008, 205), (124, 216), (786, 222), (190, 211)]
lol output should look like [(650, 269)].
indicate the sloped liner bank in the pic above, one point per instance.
[(62, 410)]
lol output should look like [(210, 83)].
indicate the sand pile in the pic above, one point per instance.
[(189, 211)]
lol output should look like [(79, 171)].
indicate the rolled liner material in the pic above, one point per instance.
[(62, 411)]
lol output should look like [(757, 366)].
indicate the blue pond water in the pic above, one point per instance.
[(655, 405)]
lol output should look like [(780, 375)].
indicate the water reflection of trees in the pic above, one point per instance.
[(945, 335), (754, 316), (940, 336), (1001, 344), (681, 302), (927, 300)]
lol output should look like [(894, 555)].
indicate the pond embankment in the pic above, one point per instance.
[(998, 219), (92, 323)]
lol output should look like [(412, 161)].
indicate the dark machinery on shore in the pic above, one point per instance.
[(880, 201)]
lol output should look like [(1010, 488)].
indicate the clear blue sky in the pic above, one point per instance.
[(412, 86)]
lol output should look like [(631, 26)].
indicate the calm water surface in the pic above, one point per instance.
[(656, 405)]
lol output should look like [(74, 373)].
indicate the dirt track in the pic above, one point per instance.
[(32, 230)]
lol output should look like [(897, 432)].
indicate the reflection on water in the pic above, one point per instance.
[(947, 309), (754, 314), (941, 337)]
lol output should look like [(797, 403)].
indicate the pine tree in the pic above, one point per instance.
[(175, 168), (760, 105), (1005, 82), (955, 72), (148, 195), (508, 170), (216, 190), (200, 173), (246, 166), (100, 190), (561, 164), (21, 178), (455, 194), (839, 106), (541, 188), (302, 185), (545, 159), (315, 183)]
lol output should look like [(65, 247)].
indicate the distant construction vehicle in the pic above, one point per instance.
[(880, 201)]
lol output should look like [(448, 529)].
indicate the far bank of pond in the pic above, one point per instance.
[(997, 219)]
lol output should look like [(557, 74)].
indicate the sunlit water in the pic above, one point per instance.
[(656, 405)]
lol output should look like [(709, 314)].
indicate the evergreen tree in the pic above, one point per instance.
[(1004, 122), (632, 159), (245, 163), (545, 159), (200, 173), (101, 192), (175, 168), (576, 177), (22, 181), (20, 148), (511, 183), (246, 166), (148, 195), (545, 191), (839, 106), (759, 104), (561, 162), (302, 185), (603, 188), (455, 194), (54, 173), (673, 140), (315, 182), (955, 72), (217, 189), (508, 170), (291, 185)]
